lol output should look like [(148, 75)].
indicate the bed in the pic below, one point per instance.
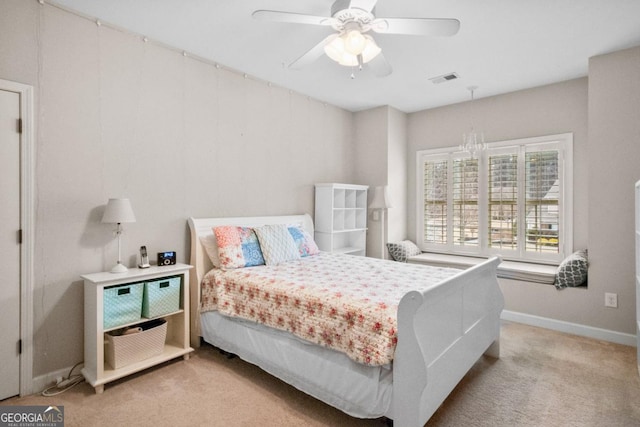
[(441, 331)]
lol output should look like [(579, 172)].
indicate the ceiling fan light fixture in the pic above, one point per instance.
[(337, 50), (354, 42), (371, 49), (350, 45), (349, 60)]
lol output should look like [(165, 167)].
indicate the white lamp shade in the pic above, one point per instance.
[(381, 198), (354, 42), (118, 211), (335, 49)]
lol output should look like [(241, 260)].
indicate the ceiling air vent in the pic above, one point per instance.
[(444, 78)]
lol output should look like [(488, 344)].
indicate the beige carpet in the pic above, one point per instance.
[(543, 378)]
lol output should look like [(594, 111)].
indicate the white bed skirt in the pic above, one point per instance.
[(330, 376)]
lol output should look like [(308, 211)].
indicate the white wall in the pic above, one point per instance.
[(117, 117)]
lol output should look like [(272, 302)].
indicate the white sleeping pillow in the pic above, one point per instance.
[(277, 244), (210, 245)]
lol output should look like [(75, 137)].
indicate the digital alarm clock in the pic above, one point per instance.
[(166, 258)]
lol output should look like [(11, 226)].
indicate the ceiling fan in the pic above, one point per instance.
[(350, 45)]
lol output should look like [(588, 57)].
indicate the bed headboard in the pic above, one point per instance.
[(201, 227)]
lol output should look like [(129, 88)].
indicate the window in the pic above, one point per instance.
[(513, 200)]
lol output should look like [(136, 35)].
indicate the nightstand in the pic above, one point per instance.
[(97, 371)]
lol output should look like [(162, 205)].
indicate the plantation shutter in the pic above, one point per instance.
[(503, 199), (435, 201), (542, 196), (465, 202), (511, 200)]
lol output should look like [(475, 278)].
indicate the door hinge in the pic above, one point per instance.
[(20, 236), (19, 346), (19, 125)]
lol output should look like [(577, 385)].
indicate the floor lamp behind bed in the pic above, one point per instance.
[(380, 204)]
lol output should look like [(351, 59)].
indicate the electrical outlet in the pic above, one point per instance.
[(610, 300)]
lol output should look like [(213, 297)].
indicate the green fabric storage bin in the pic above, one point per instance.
[(161, 297), (122, 304)]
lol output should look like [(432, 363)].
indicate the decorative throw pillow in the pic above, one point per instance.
[(403, 250), (277, 244), (573, 270), (237, 247), (303, 240)]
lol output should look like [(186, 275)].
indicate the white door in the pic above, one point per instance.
[(9, 244)]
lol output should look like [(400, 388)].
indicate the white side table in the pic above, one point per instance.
[(95, 370)]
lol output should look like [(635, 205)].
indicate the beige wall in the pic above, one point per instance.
[(381, 159), (117, 117), (614, 158), (545, 110), (601, 111), (370, 163), (397, 176)]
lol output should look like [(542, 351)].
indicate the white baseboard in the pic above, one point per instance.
[(570, 328), (49, 379)]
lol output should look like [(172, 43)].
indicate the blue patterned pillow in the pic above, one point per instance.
[(237, 247), (276, 244), (305, 243)]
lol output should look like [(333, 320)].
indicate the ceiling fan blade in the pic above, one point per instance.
[(314, 53), (296, 18), (416, 26), (379, 66), (367, 5)]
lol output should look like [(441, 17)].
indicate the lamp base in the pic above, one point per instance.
[(119, 268)]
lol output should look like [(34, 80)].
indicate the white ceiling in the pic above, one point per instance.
[(502, 45)]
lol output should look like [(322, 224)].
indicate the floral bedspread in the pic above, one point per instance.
[(348, 303)]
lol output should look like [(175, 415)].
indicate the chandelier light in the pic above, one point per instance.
[(473, 141)]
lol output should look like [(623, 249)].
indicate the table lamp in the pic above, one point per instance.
[(117, 212)]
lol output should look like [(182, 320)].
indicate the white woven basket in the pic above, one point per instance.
[(123, 350)]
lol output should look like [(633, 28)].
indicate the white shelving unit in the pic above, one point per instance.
[(96, 371), (637, 233), (341, 218)]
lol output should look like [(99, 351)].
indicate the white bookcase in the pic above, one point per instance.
[(96, 371), (341, 218), (637, 234)]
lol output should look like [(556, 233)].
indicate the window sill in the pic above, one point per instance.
[(514, 270)]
